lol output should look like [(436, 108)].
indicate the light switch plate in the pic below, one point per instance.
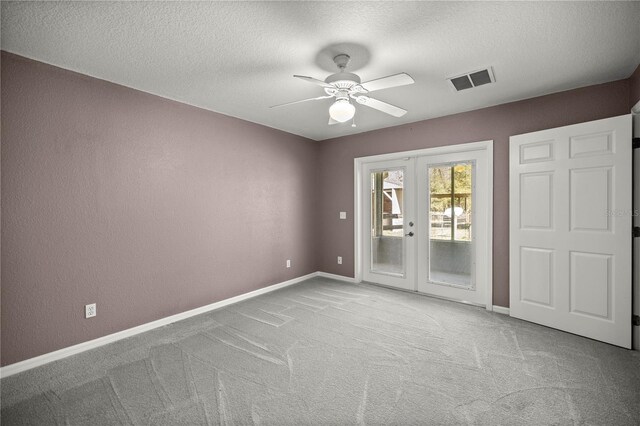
[(343, 215)]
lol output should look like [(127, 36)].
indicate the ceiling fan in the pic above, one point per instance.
[(345, 86)]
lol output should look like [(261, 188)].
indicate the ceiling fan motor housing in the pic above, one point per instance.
[(343, 80)]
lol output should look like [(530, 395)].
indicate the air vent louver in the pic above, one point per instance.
[(472, 79), (461, 83), (480, 77)]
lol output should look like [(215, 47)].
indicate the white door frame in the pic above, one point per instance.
[(635, 112), (359, 208)]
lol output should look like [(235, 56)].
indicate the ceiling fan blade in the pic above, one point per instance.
[(395, 80), (303, 100), (314, 81), (332, 121), (381, 106)]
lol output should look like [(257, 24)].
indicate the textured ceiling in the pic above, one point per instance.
[(238, 58)]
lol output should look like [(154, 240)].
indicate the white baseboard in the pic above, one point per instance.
[(335, 277), (500, 310), (30, 363)]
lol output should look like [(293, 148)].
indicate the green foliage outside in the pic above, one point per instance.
[(440, 187)]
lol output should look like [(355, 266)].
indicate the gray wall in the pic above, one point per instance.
[(146, 206)]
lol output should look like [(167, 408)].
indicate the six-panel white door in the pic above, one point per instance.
[(570, 228)]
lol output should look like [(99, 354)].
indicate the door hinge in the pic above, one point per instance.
[(635, 320), (636, 232), (636, 143)]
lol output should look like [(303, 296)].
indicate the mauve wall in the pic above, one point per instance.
[(146, 206), (634, 88), (494, 123)]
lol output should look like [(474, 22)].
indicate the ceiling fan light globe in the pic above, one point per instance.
[(342, 110)]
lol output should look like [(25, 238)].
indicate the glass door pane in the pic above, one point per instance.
[(450, 223), (387, 222)]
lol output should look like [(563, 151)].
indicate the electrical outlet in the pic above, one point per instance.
[(90, 310), (339, 260), (288, 263)]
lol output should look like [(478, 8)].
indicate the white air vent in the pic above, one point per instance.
[(472, 79)]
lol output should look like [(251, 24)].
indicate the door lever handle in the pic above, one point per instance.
[(410, 234)]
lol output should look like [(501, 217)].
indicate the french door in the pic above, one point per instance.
[(453, 205), (389, 223), (426, 223)]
